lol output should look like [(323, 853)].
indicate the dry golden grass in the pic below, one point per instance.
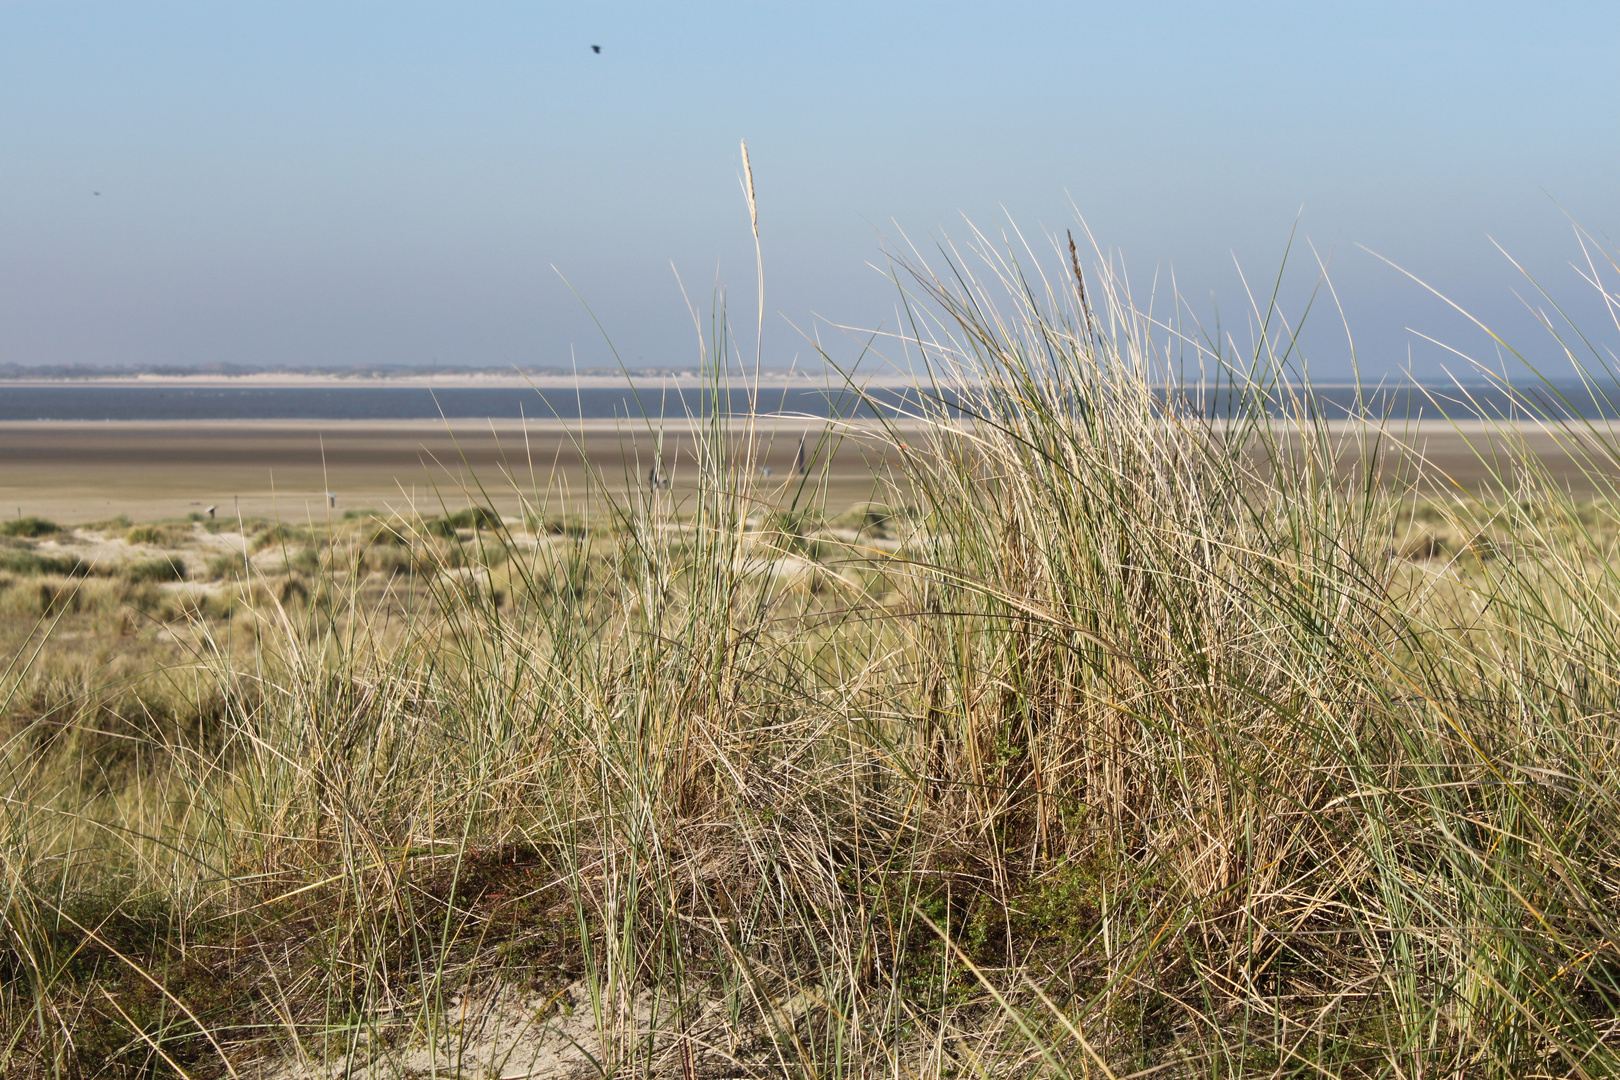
[(1113, 741)]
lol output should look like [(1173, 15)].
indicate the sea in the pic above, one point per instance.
[(93, 402), (70, 401)]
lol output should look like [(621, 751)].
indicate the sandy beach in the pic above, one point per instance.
[(86, 471)]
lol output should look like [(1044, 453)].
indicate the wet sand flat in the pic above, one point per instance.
[(1478, 457), (85, 471)]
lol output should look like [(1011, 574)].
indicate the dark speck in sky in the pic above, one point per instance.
[(596, 48)]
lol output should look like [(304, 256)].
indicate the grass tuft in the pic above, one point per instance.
[(165, 568), (29, 527)]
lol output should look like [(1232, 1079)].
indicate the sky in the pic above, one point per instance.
[(357, 185)]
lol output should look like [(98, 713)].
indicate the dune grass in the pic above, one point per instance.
[(28, 527), (1117, 740)]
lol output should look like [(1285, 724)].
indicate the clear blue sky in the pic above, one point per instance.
[(357, 184)]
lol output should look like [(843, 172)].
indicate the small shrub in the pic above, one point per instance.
[(1423, 547), (157, 535), (32, 564), (143, 597), (389, 535), (442, 557), (489, 555), (226, 567), (792, 533), (155, 570), (1431, 513), (201, 605), (445, 528), (1486, 548), (569, 578), (557, 526), (29, 526), (27, 598), (54, 597), (871, 518), (277, 534), (475, 518), (305, 560), (387, 560), (482, 593)]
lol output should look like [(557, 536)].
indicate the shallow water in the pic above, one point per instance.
[(80, 401), (91, 402)]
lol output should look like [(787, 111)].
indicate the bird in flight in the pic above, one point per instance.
[(596, 49)]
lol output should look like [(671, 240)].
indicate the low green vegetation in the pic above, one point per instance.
[(443, 528), (165, 568), (228, 566), (1104, 741), (32, 563), (28, 527), (474, 517), (558, 525), (156, 535), (276, 536)]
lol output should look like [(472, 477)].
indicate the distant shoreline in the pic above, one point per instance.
[(596, 378), (247, 397), (277, 380), (446, 379)]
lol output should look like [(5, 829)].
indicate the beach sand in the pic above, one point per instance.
[(77, 472)]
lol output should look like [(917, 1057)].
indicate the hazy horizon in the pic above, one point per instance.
[(302, 186)]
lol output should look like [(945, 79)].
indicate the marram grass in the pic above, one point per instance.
[(1118, 741)]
